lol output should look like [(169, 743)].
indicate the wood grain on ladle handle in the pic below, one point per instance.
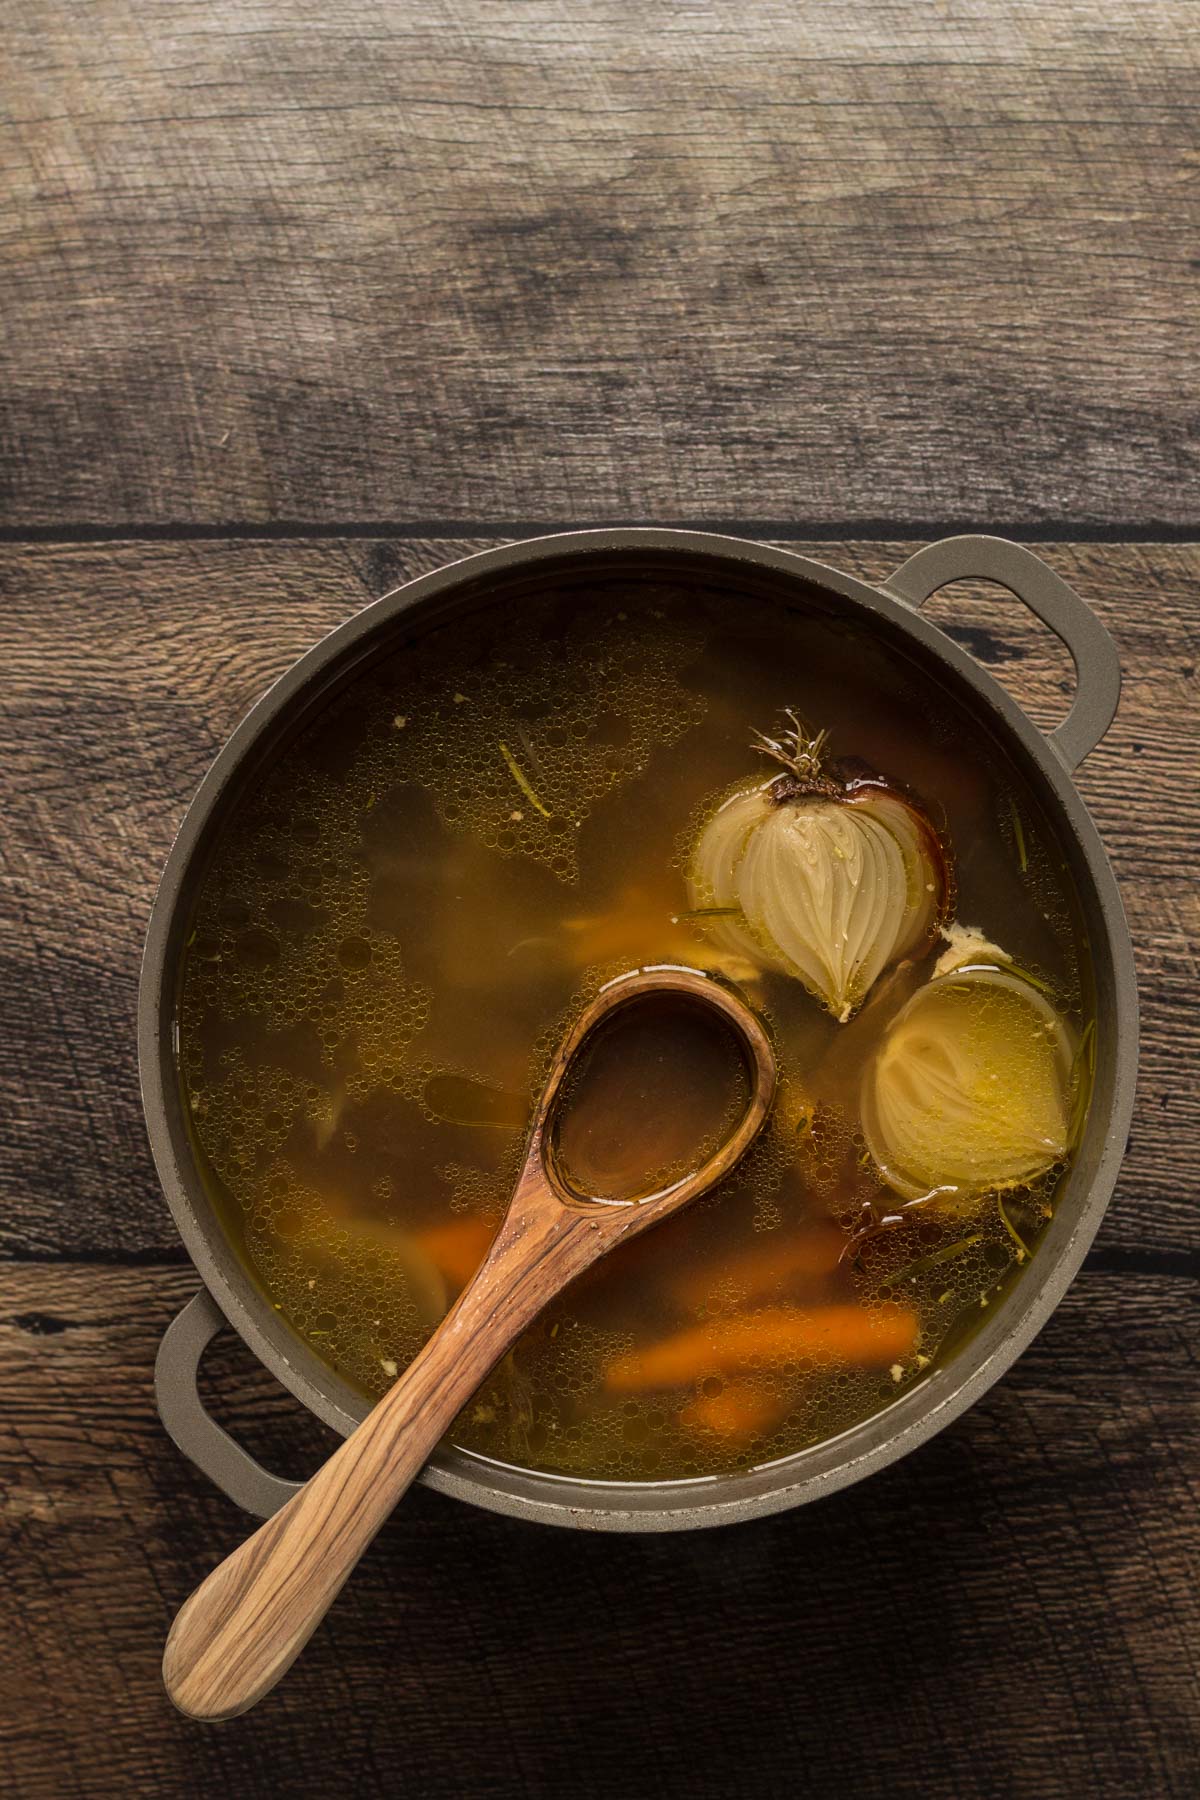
[(244, 1626)]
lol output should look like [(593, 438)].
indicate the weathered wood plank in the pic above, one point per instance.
[(128, 667), (470, 261), (1032, 1570)]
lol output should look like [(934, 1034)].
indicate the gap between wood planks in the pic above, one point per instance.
[(168, 531)]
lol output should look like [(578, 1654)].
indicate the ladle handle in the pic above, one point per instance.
[(245, 1625), (1097, 666)]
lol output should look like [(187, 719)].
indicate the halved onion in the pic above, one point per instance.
[(970, 1091), (827, 882)]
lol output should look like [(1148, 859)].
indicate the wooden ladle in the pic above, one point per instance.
[(245, 1625)]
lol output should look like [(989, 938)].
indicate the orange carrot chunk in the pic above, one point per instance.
[(458, 1247), (775, 1336), (781, 1257), (737, 1414)]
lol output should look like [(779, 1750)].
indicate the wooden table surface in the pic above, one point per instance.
[(300, 299)]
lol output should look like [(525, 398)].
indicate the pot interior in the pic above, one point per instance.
[(419, 855)]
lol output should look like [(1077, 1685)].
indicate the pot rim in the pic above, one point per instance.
[(824, 1467)]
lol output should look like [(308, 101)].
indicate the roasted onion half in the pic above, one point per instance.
[(970, 1091), (826, 879)]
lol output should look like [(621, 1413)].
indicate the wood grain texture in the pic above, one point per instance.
[(1010, 1613), (1013, 1613), (130, 664), (314, 270), (340, 261)]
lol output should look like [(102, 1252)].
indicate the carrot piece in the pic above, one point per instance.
[(737, 1414), (777, 1335), (814, 1251), (457, 1247)]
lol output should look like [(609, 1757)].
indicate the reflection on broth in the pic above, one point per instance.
[(409, 908), (652, 1094)]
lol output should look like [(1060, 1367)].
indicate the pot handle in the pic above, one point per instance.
[(1097, 668), (195, 1431)]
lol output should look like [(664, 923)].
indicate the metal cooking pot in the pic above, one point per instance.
[(891, 610)]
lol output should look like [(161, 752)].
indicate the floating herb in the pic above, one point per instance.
[(945, 1254), (1083, 1073), (706, 912), (1035, 981), (1014, 1234), (522, 780), (1019, 836)]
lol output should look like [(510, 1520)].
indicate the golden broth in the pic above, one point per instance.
[(407, 911), (647, 1099)]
